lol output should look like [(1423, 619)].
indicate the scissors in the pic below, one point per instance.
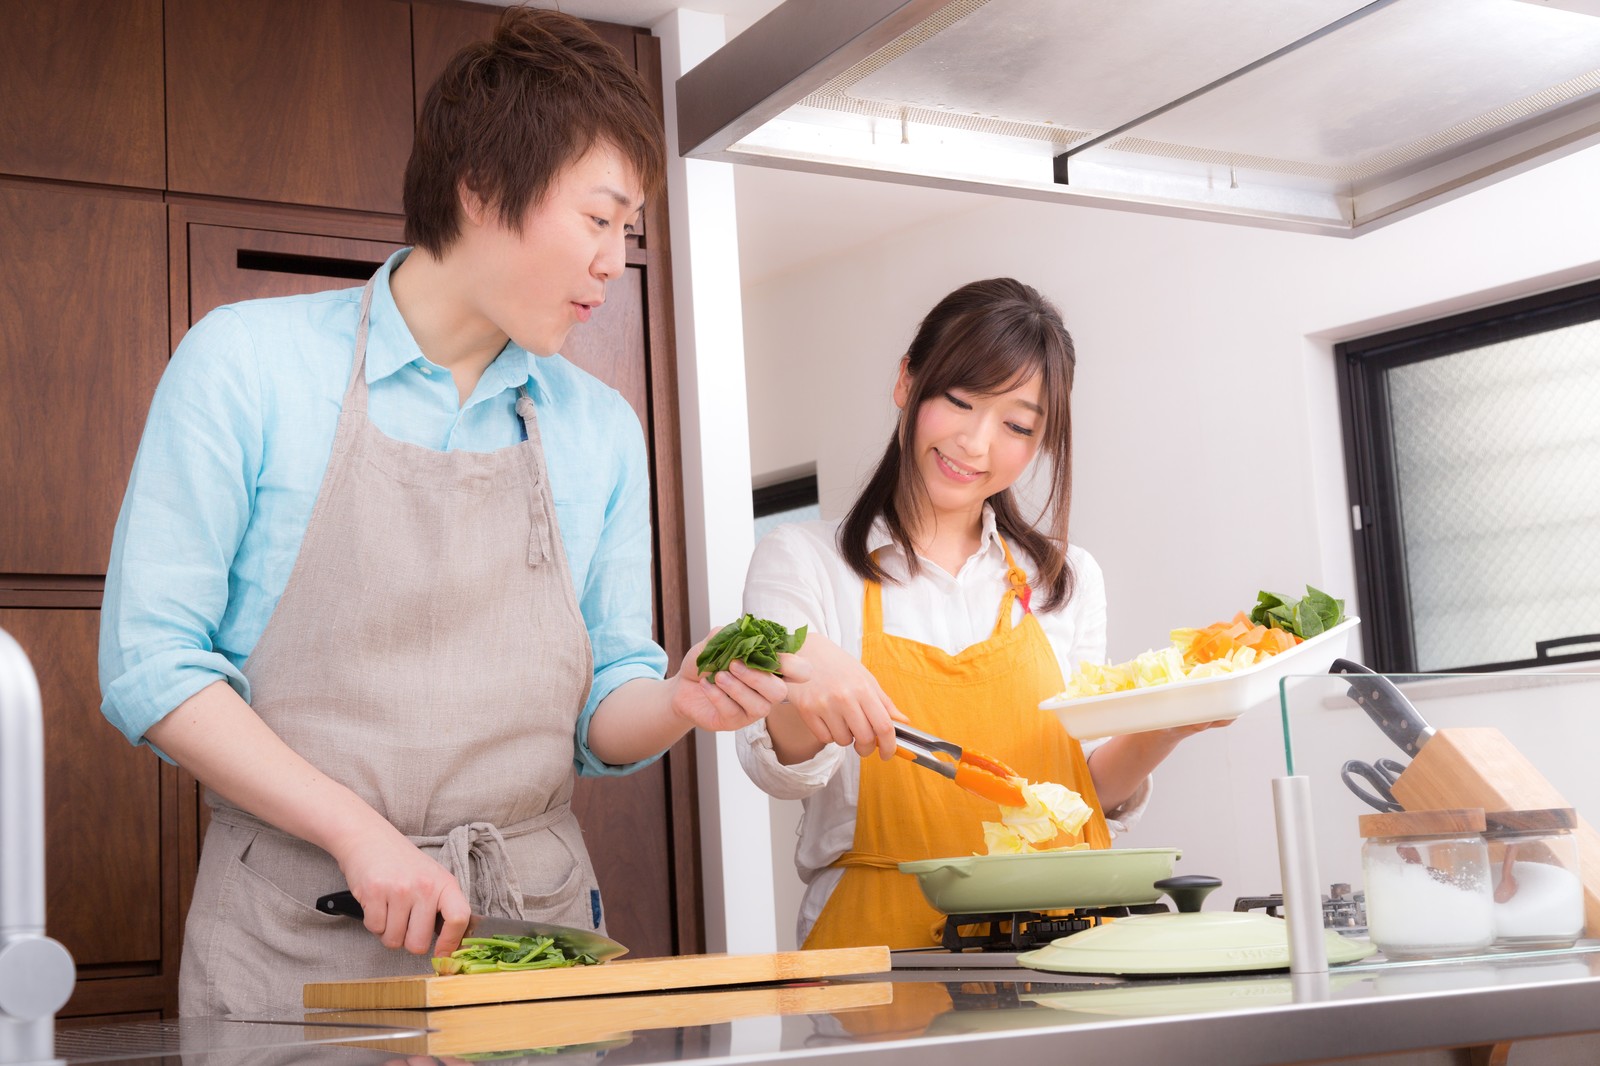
[(1380, 775)]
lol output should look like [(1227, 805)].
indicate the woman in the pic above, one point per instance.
[(381, 579), (937, 602)]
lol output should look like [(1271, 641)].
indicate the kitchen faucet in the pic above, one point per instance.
[(36, 973)]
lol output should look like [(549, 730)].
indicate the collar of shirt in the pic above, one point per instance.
[(391, 347), (988, 539)]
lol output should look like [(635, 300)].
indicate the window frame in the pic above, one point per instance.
[(1371, 483), (785, 495)]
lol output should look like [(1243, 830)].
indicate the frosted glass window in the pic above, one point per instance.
[(1497, 460), (1473, 446)]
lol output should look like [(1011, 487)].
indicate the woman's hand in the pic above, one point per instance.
[(401, 890), (734, 697), (841, 704)]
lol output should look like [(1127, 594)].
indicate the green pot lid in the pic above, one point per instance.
[(1177, 943), (1142, 1000)]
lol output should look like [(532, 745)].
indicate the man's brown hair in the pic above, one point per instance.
[(508, 114)]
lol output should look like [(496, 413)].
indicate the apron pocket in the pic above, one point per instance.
[(268, 943), (570, 901)]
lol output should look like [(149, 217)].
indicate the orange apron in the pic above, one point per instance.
[(986, 697)]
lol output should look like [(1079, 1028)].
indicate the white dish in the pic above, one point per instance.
[(1207, 699)]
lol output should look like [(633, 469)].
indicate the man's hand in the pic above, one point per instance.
[(735, 697), (403, 893)]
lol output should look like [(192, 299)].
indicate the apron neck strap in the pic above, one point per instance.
[(1017, 588), (872, 605), (355, 394)]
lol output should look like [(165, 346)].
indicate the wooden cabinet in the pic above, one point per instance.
[(83, 340), (277, 170), (296, 101), (439, 31), (111, 866), (80, 92)]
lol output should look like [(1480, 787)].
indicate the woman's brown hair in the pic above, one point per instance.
[(986, 337), (509, 114)]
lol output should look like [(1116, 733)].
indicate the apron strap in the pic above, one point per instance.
[(1017, 589), (355, 393), (475, 854), (869, 859)]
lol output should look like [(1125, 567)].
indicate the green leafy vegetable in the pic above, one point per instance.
[(497, 954), (1314, 613), (754, 641)]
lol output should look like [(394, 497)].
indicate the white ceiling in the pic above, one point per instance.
[(787, 218)]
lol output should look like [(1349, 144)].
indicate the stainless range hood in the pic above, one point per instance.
[(1326, 116)]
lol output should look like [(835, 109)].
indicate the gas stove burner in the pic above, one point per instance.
[(1023, 930), (1342, 909)]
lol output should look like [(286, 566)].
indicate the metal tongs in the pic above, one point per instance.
[(977, 773)]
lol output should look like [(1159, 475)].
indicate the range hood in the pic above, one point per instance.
[(1326, 116)]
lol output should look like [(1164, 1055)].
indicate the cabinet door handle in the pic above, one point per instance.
[(322, 266)]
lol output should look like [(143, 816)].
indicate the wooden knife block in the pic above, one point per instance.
[(1481, 768)]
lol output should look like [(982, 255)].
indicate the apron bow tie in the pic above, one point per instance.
[(476, 854)]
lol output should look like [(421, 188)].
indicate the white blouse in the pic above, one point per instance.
[(797, 577)]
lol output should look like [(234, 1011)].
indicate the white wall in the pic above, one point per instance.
[(1208, 460), (718, 515)]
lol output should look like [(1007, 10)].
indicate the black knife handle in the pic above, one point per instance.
[(341, 903), (1386, 705)]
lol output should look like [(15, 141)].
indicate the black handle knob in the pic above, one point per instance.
[(1188, 891), (342, 903)]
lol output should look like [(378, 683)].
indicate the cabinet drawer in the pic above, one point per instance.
[(295, 101)]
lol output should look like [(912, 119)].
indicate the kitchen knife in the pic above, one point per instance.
[(572, 941), (1385, 705)]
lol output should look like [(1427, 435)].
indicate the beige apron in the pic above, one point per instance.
[(427, 652)]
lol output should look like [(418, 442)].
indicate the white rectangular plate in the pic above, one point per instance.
[(1207, 699)]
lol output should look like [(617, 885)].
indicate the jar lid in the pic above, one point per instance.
[(1549, 818), (1423, 823)]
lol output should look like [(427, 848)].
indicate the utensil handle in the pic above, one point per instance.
[(927, 740), (341, 903)]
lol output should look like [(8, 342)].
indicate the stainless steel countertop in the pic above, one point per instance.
[(1021, 1017)]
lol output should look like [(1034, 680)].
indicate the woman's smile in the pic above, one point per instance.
[(963, 474)]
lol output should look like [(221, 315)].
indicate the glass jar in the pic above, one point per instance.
[(1429, 892), (1533, 860)]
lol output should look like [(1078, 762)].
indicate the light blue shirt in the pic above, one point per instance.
[(234, 451)]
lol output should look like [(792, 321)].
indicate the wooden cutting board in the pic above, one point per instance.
[(619, 975), (507, 1027), (1482, 768)]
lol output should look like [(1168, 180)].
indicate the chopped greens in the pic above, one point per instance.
[(1315, 613), (754, 641), (498, 954)]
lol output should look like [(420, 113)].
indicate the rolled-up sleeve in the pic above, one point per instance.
[(616, 598), (186, 508)]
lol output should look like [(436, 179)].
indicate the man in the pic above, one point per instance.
[(381, 579)]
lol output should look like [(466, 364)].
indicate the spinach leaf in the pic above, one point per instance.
[(1317, 612), (497, 954), (754, 641)]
